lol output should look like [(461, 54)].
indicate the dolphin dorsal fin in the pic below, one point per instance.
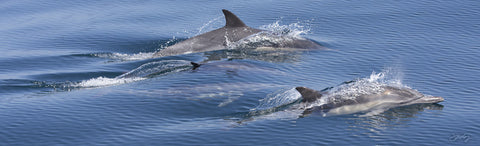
[(308, 95), (232, 20), (195, 65)]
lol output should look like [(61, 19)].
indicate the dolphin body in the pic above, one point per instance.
[(219, 39), (375, 103)]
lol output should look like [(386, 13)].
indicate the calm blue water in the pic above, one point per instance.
[(80, 73)]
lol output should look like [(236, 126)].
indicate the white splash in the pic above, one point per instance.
[(275, 37), (157, 67), (370, 85), (104, 81), (126, 57), (271, 107), (140, 73), (209, 25), (294, 30), (279, 98)]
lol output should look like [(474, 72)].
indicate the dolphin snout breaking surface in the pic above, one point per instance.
[(430, 99), (233, 31)]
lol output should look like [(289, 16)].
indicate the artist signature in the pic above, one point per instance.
[(456, 137)]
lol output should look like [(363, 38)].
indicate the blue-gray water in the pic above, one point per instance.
[(79, 72)]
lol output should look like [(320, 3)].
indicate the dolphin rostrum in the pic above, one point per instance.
[(388, 97), (219, 39)]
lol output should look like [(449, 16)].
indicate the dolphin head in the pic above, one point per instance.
[(428, 99), (411, 96)]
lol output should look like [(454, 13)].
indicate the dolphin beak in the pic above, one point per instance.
[(437, 98), (431, 99)]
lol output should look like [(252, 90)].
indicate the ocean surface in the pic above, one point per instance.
[(82, 73)]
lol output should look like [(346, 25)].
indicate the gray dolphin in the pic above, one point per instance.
[(233, 31), (389, 97)]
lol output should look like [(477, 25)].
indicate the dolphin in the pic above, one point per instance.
[(233, 31), (388, 97)]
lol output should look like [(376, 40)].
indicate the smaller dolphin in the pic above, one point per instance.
[(233, 31), (389, 97)]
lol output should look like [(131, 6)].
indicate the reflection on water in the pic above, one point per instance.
[(278, 56), (391, 118)]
